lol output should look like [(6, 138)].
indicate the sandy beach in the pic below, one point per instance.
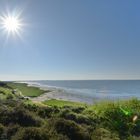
[(57, 93)]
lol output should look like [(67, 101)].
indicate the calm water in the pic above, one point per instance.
[(89, 90)]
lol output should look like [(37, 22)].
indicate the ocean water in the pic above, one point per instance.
[(90, 90)]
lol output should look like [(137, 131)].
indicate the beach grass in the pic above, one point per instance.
[(56, 119), (5, 93), (26, 90), (61, 103)]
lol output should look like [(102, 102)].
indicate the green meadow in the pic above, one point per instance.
[(61, 103), (23, 119), (27, 90)]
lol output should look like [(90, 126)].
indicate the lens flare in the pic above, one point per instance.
[(135, 118)]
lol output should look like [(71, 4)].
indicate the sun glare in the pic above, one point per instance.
[(11, 24)]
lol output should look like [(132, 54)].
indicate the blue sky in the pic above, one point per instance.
[(72, 39)]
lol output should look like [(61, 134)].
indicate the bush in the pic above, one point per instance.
[(68, 115), (78, 109), (31, 107), (103, 134), (70, 129), (78, 118), (1, 130), (47, 112), (19, 116), (11, 130), (9, 96), (30, 133)]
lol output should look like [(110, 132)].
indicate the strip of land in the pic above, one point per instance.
[(29, 91), (23, 119)]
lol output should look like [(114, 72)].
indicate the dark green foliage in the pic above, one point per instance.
[(136, 129), (71, 129), (31, 133), (103, 134), (76, 115), (19, 116), (1, 130), (11, 130), (78, 118), (4, 84), (47, 112), (24, 120), (78, 109), (31, 107), (10, 96)]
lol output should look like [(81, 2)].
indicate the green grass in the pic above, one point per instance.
[(26, 90), (56, 119), (6, 93), (61, 103)]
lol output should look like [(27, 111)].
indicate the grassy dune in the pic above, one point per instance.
[(26, 90), (5, 93), (22, 119), (61, 103)]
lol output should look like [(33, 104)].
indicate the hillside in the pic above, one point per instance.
[(22, 119)]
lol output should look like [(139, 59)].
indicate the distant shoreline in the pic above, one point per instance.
[(55, 93), (86, 91)]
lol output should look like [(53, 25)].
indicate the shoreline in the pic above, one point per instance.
[(57, 93), (64, 94)]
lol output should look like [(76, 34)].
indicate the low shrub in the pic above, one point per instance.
[(9, 96), (19, 116), (78, 109), (30, 133), (11, 130), (70, 129), (47, 112), (104, 134), (1, 130)]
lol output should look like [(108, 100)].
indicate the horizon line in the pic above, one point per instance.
[(68, 80)]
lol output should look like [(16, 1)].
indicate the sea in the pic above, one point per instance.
[(89, 91)]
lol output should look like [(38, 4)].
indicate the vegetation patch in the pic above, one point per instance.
[(61, 103), (27, 90), (22, 119)]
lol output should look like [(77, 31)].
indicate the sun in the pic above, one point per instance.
[(11, 24)]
